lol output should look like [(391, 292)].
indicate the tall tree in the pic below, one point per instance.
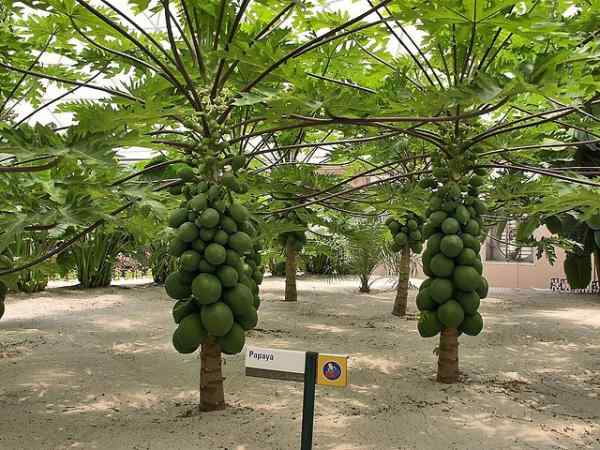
[(490, 88), (209, 86)]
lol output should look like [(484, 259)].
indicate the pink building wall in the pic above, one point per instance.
[(524, 275)]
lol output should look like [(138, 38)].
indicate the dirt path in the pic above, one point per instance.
[(95, 370)]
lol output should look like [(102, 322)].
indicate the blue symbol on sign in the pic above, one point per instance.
[(332, 370)]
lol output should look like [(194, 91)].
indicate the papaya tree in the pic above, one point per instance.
[(284, 181), (468, 47), (361, 244), (578, 220), (407, 235), (404, 203), (54, 185), (26, 245), (477, 87), (205, 89), (363, 250)]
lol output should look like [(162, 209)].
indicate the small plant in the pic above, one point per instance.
[(35, 279), (161, 263), (94, 258), (318, 264), (358, 249), (277, 267), (32, 281)]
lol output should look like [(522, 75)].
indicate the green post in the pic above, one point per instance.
[(308, 405)]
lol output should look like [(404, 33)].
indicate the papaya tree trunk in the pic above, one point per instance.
[(291, 294), (401, 300), (448, 356), (597, 264), (364, 284), (212, 395)]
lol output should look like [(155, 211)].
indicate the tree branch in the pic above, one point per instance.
[(528, 147), (193, 31), (342, 83), (539, 171), (146, 170), (74, 83), (507, 127), (65, 245), (418, 49), (238, 17), (136, 42), (339, 142), (30, 169), (463, 72), (175, 144), (219, 24), (401, 42), (132, 22), (260, 35), (196, 103), (498, 50), (24, 75), (186, 41), (360, 175), (396, 119), (354, 189), (130, 58)]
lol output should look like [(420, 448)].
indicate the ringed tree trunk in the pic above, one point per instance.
[(291, 294), (212, 394), (364, 284), (401, 300), (448, 356)]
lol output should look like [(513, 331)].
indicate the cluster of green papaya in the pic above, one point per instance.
[(578, 263), (295, 238), (409, 232), (219, 269), (228, 180), (450, 297), (3, 291)]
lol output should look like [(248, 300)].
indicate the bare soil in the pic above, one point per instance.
[(95, 370)]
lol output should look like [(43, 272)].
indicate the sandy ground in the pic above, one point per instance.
[(95, 370)]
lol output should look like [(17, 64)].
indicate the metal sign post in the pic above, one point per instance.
[(308, 402)]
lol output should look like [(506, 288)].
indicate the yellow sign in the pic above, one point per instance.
[(332, 370)]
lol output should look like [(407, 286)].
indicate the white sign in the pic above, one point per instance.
[(275, 363)]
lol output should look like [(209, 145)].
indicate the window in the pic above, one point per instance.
[(501, 245)]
